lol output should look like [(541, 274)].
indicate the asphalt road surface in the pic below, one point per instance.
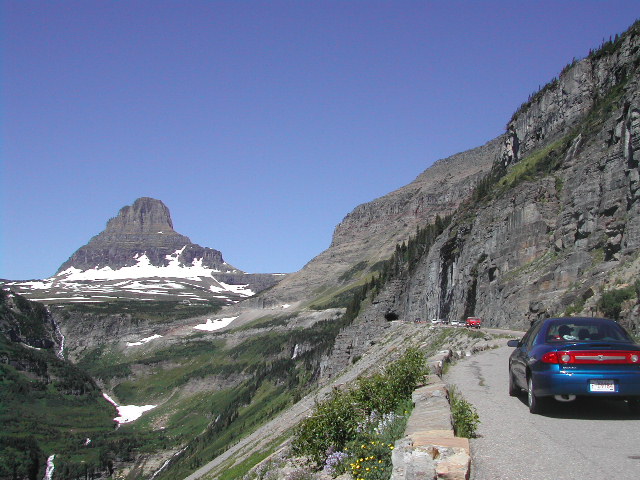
[(582, 440)]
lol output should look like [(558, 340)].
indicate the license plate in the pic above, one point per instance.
[(602, 386)]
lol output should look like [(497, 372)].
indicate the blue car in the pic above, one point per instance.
[(564, 358)]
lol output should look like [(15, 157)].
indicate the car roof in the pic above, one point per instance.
[(579, 320)]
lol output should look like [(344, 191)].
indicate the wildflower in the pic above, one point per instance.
[(333, 461)]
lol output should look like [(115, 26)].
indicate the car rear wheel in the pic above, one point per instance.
[(535, 403), (634, 405)]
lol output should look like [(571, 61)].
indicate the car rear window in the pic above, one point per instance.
[(588, 330)]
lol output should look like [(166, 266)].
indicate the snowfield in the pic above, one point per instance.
[(142, 269), (128, 413), (141, 281), (212, 325), (143, 341)]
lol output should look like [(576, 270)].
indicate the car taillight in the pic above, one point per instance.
[(592, 357)]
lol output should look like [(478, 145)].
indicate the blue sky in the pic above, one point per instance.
[(260, 124)]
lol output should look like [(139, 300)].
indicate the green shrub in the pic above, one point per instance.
[(575, 307), (611, 301), (344, 416), (334, 422), (465, 416)]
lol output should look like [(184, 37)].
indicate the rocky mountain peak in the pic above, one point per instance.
[(142, 229), (146, 215), (140, 256)]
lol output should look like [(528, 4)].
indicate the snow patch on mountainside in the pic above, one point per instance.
[(128, 413), (142, 269), (239, 289), (217, 324), (176, 280), (143, 341)]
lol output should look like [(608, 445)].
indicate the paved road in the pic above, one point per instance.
[(586, 440)]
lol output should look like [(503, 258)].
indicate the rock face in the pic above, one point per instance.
[(144, 228), (556, 224), (563, 224), (27, 323)]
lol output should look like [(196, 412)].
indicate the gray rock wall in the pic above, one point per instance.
[(557, 239)]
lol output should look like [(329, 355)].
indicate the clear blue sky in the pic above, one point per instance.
[(260, 124)]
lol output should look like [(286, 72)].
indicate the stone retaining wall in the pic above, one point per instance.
[(430, 450)]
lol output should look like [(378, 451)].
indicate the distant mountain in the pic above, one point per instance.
[(140, 255), (142, 235)]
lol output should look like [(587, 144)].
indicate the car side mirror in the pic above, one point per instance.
[(513, 343)]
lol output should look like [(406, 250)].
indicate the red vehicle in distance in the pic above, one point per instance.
[(473, 322)]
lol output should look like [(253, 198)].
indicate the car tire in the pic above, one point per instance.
[(634, 405), (535, 403), (514, 390)]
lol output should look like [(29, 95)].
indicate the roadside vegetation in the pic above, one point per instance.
[(465, 416), (354, 429), (612, 301)]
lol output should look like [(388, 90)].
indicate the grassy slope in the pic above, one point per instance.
[(52, 409)]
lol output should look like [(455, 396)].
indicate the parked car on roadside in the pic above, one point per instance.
[(473, 322), (564, 358)]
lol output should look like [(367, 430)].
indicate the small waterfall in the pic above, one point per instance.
[(60, 352), (167, 462), (48, 474)]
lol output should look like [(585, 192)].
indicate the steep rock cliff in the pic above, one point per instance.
[(562, 224), (552, 226)]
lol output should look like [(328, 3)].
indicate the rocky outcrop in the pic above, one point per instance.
[(562, 103), (27, 323), (557, 224)]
